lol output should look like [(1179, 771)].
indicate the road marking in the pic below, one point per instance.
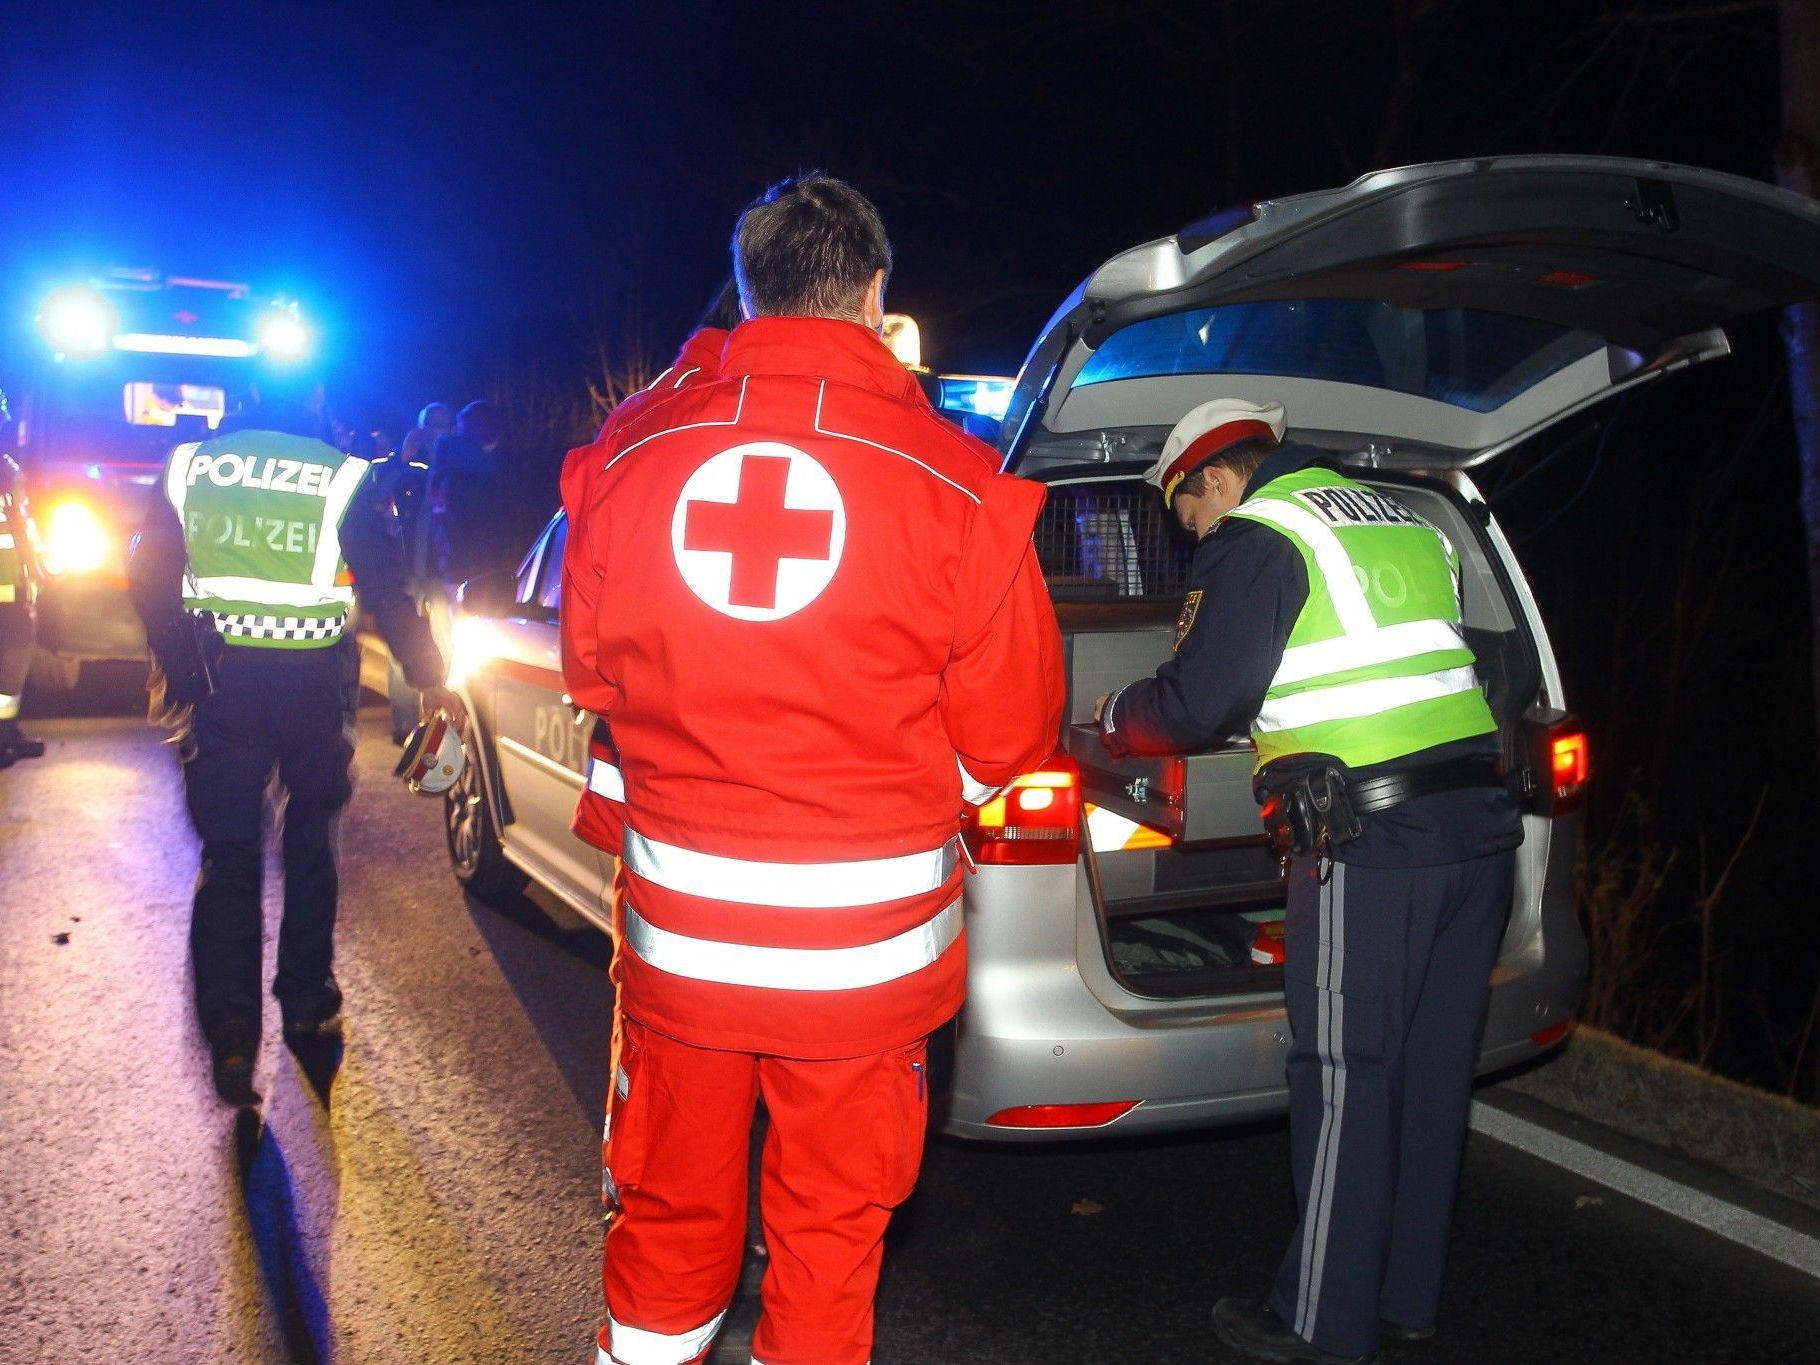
[(1792, 1248)]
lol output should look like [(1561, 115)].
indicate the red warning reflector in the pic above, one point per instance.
[(1062, 1115), (1432, 265), (1566, 279), (1554, 1033)]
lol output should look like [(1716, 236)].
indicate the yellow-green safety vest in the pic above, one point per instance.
[(261, 514), (1376, 666)]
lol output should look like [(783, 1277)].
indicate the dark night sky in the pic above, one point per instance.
[(449, 184)]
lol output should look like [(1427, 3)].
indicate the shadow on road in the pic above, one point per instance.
[(284, 1265), (319, 1060), (559, 975)]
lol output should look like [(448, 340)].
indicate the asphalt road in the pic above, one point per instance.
[(442, 1204)]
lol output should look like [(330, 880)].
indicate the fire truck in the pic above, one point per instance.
[(128, 364)]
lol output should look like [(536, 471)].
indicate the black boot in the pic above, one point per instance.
[(233, 1048), (15, 746), (1250, 1326)]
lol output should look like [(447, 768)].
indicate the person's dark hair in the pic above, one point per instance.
[(808, 247), (294, 404), (1242, 458), (724, 312), (480, 422)]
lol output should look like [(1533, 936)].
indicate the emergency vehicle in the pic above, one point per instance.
[(128, 364), (1124, 924)]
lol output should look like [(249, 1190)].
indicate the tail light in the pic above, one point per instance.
[(1561, 760), (1037, 819)]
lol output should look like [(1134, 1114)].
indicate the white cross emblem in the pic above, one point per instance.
[(758, 531)]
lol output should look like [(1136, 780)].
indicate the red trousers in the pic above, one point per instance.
[(843, 1150)]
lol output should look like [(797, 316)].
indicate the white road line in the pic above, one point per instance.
[(1764, 1235)]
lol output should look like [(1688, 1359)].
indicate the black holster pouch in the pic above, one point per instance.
[(1312, 815), (188, 651)]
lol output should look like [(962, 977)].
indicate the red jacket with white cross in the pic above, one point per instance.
[(817, 627)]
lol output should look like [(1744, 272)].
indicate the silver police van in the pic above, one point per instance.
[(1125, 918)]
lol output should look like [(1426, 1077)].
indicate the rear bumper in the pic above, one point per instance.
[(87, 616), (1046, 1023)]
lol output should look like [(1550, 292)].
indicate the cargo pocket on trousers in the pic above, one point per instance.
[(624, 1139), (1342, 989), (903, 1074)]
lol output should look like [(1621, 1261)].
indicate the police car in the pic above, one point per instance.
[(130, 363), (1125, 920)]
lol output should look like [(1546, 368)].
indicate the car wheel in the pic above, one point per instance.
[(473, 836), (52, 673)]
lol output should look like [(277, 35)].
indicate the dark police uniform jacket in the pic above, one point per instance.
[(1253, 584)]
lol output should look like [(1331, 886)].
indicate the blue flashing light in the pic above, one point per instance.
[(282, 335), (77, 322), (981, 394)]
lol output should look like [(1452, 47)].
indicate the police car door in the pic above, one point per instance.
[(541, 740)]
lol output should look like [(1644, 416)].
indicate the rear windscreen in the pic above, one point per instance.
[(1471, 359)]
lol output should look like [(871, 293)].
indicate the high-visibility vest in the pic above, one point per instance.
[(261, 514), (1376, 666)]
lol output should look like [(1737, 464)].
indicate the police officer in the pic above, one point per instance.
[(1325, 617), (242, 576), (18, 577)]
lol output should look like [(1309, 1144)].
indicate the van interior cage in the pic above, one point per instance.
[(1099, 541)]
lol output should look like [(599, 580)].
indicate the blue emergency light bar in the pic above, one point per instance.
[(80, 323), (151, 343), (985, 395)]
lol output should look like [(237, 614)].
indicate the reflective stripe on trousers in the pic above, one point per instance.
[(1330, 1033), (635, 1346)]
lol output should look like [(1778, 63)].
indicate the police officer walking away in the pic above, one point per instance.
[(399, 480), (242, 576), (18, 588), (812, 617), (1326, 618)]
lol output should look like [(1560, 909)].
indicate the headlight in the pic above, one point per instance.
[(467, 648), (75, 540)]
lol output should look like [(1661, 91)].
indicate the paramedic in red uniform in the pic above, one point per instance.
[(818, 628)]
